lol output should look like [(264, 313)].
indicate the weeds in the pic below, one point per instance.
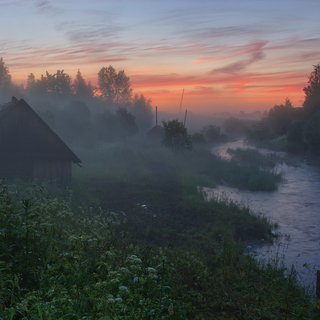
[(172, 255)]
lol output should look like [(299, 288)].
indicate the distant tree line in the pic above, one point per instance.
[(79, 111), (296, 130)]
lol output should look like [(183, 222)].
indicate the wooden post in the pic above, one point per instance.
[(185, 118), (318, 284), (156, 116), (181, 101)]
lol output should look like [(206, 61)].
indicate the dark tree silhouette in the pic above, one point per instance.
[(127, 123), (176, 136), (280, 117), (312, 92), (114, 87), (5, 77), (212, 133), (142, 110), (31, 83), (81, 88), (58, 84)]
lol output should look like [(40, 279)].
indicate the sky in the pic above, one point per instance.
[(227, 55)]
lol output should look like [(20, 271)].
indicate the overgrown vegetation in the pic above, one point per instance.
[(134, 239), (64, 256)]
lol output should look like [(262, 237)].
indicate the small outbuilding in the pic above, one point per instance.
[(30, 149), (157, 132)]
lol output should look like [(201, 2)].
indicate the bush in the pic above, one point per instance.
[(176, 136)]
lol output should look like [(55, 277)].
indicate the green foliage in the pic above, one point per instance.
[(81, 89), (312, 136), (112, 127), (280, 117), (296, 143), (67, 255), (7, 88), (252, 157), (141, 108), (295, 128), (5, 77), (126, 122), (198, 137), (114, 87), (312, 92), (62, 264), (260, 131), (212, 133), (176, 136)]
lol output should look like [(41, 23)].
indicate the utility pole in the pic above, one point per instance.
[(181, 101)]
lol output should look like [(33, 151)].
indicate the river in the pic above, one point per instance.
[(295, 207)]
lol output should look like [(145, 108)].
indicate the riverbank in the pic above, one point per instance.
[(294, 207), (169, 255)]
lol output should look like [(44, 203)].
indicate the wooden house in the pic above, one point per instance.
[(29, 148)]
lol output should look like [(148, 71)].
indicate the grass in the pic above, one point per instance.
[(59, 263), (146, 161), (134, 239)]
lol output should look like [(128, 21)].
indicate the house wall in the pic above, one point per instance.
[(58, 171), (12, 168)]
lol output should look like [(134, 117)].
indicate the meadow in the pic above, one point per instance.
[(133, 238)]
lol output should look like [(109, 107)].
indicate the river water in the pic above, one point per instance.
[(295, 207)]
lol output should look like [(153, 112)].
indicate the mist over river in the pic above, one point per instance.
[(295, 207)]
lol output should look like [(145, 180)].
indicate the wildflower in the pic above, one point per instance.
[(170, 309)]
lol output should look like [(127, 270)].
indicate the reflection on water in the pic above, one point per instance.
[(295, 207)]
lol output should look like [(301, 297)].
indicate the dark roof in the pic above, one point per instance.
[(157, 132), (6, 107)]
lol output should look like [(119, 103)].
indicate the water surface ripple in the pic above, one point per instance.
[(295, 207)]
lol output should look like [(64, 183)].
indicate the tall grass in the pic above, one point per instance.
[(63, 263), (136, 161), (165, 254)]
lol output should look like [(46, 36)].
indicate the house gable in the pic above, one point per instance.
[(24, 134), (29, 148)]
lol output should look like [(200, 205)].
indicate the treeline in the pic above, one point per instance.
[(295, 130), (79, 111)]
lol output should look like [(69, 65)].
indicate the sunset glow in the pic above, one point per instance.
[(227, 56)]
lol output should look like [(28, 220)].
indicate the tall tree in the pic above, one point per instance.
[(176, 136), (7, 89), (31, 83), (312, 92), (280, 117), (61, 83), (81, 88), (211, 132), (126, 122), (114, 87), (142, 110), (58, 83), (5, 77)]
